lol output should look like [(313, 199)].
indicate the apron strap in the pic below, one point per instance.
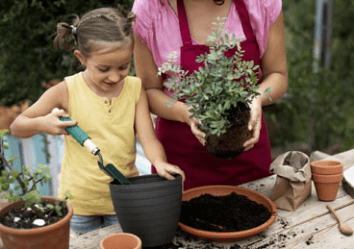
[(183, 23), (245, 20)]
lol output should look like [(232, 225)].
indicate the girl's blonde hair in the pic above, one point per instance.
[(99, 25)]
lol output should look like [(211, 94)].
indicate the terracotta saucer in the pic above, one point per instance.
[(219, 190)]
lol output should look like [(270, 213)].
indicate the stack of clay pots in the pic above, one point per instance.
[(326, 176)]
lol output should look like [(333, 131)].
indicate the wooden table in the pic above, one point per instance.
[(310, 226)]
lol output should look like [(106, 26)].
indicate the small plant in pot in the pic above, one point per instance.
[(31, 220), (219, 93)]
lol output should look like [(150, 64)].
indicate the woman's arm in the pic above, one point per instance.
[(146, 69), (275, 77), (153, 149), (273, 64), (38, 117)]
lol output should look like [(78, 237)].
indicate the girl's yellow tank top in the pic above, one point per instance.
[(111, 127)]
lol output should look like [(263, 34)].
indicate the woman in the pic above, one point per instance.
[(164, 26)]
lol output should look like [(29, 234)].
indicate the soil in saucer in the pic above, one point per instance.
[(229, 213), (22, 218)]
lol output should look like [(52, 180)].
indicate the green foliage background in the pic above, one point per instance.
[(317, 110), (27, 55), (324, 99)]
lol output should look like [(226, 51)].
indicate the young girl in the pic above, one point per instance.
[(108, 105)]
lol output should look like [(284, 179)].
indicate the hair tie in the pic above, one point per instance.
[(73, 30)]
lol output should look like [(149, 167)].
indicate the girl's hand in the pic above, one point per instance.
[(255, 122), (167, 170), (54, 126)]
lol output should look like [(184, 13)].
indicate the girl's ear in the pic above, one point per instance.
[(80, 56)]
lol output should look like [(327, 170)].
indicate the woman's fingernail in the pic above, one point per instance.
[(250, 127)]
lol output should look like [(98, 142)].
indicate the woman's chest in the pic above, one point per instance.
[(203, 17)]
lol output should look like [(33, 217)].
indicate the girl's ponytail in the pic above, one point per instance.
[(64, 32), (128, 20), (96, 27)]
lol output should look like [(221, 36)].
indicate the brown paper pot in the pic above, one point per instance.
[(326, 167), (327, 186), (121, 241)]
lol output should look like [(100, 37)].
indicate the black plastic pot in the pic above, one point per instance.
[(150, 207)]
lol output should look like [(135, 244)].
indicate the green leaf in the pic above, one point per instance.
[(50, 206)]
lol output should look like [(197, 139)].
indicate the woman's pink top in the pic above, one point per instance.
[(157, 25)]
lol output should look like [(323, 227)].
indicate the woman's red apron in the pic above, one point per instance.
[(183, 148)]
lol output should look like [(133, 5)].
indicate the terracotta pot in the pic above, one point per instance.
[(326, 167), (54, 236), (149, 207), (121, 241), (327, 186)]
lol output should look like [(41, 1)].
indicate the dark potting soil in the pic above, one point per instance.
[(230, 144), (230, 213), (22, 218)]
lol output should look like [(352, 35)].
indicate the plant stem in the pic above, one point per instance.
[(22, 185)]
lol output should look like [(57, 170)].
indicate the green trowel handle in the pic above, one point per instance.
[(78, 134)]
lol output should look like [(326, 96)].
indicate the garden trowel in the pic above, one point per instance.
[(82, 138)]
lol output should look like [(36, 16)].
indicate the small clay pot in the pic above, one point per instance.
[(324, 167), (121, 241), (327, 186)]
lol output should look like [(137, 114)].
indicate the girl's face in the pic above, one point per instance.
[(107, 68)]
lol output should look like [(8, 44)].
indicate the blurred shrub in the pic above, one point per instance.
[(27, 56)]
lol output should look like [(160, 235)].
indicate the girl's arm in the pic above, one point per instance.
[(275, 77), (153, 149), (146, 69), (39, 118)]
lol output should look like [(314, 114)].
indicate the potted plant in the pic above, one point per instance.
[(219, 93), (30, 220)]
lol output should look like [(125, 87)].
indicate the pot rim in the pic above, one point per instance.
[(326, 163), (322, 178), (139, 245), (34, 231), (326, 167), (164, 182)]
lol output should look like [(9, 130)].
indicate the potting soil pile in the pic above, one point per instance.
[(228, 213)]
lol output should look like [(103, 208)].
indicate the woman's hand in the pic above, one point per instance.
[(255, 122), (167, 170), (194, 124)]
